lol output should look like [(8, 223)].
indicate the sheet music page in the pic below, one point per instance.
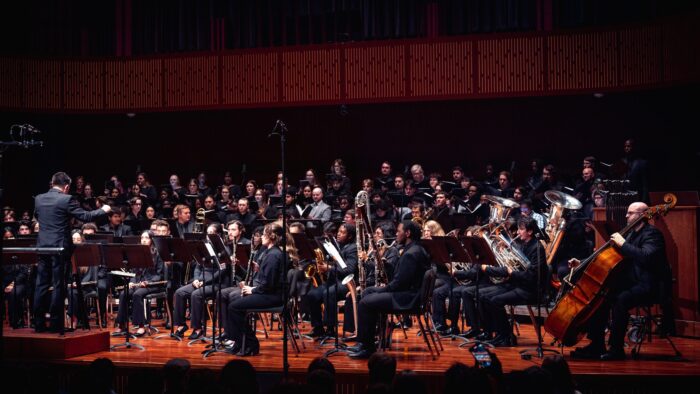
[(335, 254)]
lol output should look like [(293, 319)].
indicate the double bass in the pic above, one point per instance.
[(585, 289)]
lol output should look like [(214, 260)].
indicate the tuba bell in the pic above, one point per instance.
[(555, 220)]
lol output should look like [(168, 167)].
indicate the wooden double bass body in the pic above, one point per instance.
[(583, 293)]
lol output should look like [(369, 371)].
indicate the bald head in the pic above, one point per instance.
[(635, 210)]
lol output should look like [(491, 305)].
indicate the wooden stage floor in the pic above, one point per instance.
[(412, 354)]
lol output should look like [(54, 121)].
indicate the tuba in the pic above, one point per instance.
[(555, 220)]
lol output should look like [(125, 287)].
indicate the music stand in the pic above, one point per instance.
[(118, 257), (222, 259), (480, 253), (170, 249), (84, 255)]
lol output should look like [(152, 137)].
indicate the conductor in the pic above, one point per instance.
[(54, 210)]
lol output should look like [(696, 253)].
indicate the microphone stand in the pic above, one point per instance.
[(280, 130), (539, 351)]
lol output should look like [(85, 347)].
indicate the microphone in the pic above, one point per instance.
[(278, 125)]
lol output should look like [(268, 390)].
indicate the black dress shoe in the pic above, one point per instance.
[(235, 349), (363, 353), (196, 334), (350, 339), (589, 352), (503, 341), (317, 332), (471, 333), (254, 351), (140, 333), (613, 355), (484, 337), (354, 349), (180, 332)]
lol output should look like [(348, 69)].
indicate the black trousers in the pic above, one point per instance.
[(228, 295), (328, 296), (51, 271), (443, 290), (15, 302), (182, 295), (619, 303), (495, 300), (197, 300), (237, 311), (139, 315), (468, 295), (370, 307)]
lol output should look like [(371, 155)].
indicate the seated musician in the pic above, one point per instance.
[(14, 283), (88, 280), (205, 284), (388, 254), (140, 286), (521, 287), (236, 234), (266, 291), (98, 280), (402, 292), (328, 293), (645, 278)]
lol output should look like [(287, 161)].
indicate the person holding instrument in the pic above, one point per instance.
[(265, 291), (644, 276), (146, 281), (53, 211)]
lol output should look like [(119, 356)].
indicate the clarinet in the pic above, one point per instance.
[(248, 276)]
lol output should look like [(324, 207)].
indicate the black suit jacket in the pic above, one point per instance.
[(645, 261), (119, 231), (408, 277), (54, 211)]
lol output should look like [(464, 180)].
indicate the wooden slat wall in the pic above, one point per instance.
[(377, 72), (250, 79), (441, 69), (134, 84), (191, 81), (11, 83), (583, 61), (311, 75), (495, 65), (83, 84), (510, 65)]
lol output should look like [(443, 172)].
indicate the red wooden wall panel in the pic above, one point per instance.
[(441, 69), (250, 78), (376, 72), (311, 75), (583, 61), (83, 84), (510, 65), (493, 65), (191, 81), (11, 83), (42, 84), (134, 84)]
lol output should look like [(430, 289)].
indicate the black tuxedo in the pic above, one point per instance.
[(54, 211), (402, 292)]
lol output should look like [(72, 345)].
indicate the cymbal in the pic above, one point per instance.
[(507, 202), (563, 199)]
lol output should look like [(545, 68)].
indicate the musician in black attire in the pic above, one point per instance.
[(230, 290), (520, 287), (402, 292), (139, 287), (53, 210), (645, 277), (15, 278), (265, 292), (205, 280), (115, 225), (330, 291)]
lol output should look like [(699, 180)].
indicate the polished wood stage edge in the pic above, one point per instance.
[(411, 354)]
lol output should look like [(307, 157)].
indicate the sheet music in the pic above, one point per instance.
[(335, 254)]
